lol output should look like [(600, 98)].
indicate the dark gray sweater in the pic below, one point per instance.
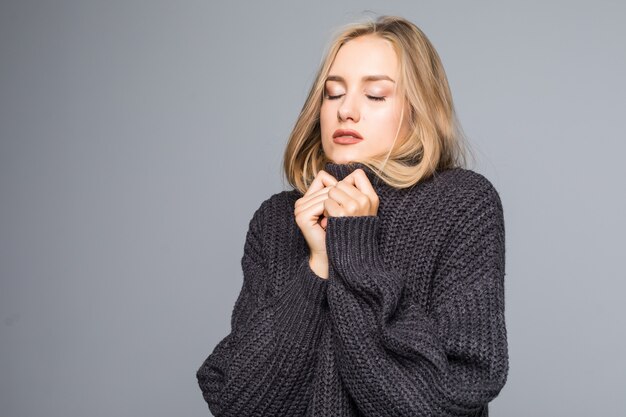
[(410, 321)]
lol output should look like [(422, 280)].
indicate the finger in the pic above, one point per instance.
[(350, 200), (333, 208), (312, 201), (311, 214), (306, 198), (359, 179), (349, 189), (322, 179)]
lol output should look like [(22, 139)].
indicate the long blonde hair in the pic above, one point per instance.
[(435, 141)]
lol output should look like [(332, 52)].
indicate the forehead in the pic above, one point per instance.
[(365, 55)]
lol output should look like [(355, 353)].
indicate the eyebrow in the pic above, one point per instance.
[(364, 79)]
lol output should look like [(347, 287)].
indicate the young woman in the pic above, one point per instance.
[(376, 286)]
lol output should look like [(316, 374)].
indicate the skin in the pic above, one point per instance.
[(350, 103)]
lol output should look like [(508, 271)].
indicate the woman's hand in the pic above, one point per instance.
[(352, 196), (309, 211)]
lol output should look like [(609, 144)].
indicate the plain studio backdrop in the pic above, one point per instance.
[(138, 138)]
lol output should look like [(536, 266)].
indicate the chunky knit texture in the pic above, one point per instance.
[(410, 321)]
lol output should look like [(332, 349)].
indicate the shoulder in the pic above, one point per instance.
[(465, 188), (275, 209), (268, 220), (468, 211), (463, 199), (277, 203)]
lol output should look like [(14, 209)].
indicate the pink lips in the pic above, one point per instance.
[(346, 136)]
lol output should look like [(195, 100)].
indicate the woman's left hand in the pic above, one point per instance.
[(352, 196)]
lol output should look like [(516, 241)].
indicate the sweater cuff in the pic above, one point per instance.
[(310, 287), (352, 245), (300, 308)]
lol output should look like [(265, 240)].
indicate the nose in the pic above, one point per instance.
[(348, 109)]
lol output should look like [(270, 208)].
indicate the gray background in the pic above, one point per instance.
[(138, 137)]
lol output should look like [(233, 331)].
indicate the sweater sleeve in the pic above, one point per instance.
[(265, 365), (407, 362)]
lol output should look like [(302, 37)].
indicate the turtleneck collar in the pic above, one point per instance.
[(340, 171)]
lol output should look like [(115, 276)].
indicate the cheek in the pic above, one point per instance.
[(384, 118), (325, 122), (325, 115), (384, 123)]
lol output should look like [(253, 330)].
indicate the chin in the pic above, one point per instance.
[(344, 159), (341, 160)]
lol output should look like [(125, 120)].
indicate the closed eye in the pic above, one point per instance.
[(374, 98)]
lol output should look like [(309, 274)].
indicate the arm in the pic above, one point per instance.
[(407, 362), (265, 364)]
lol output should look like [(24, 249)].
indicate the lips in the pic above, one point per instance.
[(347, 132)]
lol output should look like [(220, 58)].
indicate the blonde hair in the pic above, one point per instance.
[(435, 141)]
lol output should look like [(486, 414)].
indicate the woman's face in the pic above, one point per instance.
[(360, 95)]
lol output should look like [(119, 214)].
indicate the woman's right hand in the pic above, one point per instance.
[(308, 210)]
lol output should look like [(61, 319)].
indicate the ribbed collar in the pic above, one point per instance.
[(340, 171), (383, 190)]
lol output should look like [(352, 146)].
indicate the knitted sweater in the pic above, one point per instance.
[(410, 321)]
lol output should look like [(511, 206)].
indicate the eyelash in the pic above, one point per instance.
[(329, 97)]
